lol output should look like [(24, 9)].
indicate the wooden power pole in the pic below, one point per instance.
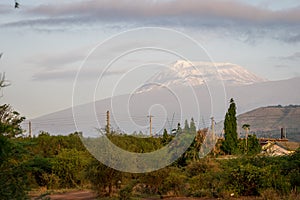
[(29, 129), (150, 121)]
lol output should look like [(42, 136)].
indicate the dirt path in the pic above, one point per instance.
[(90, 195), (76, 195)]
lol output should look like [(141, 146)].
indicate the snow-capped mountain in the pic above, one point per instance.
[(202, 101), (198, 73)]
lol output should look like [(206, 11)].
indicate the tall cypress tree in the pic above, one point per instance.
[(230, 144), (193, 126), (186, 128), (179, 129)]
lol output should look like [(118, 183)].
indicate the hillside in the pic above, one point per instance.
[(267, 121)]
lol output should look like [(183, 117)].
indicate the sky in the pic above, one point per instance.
[(46, 42)]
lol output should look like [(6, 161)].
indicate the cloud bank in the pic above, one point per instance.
[(295, 56), (70, 75), (137, 9), (227, 16), (147, 12)]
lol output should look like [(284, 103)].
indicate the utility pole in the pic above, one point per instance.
[(150, 121), (213, 132), (29, 129), (213, 127), (246, 139), (107, 123)]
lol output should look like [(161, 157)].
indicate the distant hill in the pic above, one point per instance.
[(267, 121)]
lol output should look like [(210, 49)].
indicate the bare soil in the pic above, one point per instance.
[(90, 195), (74, 195)]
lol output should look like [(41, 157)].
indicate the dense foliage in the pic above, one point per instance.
[(56, 162)]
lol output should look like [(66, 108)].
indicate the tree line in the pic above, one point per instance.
[(56, 162)]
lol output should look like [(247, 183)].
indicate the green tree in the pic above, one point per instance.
[(246, 127), (179, 129), (193, 128), (230, 144), (166, 138), (41, 171), (253, 145), (193, 150), (186, 128), (155, 180), (103, 178), (13, 168), (13, 171), (10, 121), (68, 165), (175, 182)]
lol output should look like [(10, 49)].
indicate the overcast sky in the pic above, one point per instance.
[(44, 42)]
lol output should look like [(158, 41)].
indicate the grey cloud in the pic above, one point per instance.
[(295, 56), (293, 39), (176, 12), (58, 60), (55, 75), (296, 74), (43, 22), (232, 18), (48, 30), (136, 10), (63, 24), (4, 9), (69, 75), (281, 66)]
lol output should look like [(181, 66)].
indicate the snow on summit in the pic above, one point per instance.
[(198, 73)]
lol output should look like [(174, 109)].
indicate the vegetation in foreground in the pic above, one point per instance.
[(56, 162)]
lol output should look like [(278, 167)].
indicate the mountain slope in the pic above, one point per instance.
[(247, 97), (169, 97)]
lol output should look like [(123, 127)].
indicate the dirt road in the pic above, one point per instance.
[(75, 195)]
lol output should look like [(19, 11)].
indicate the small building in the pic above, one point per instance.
[(279, 148)]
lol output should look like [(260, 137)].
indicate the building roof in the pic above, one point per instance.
[(279, 148), (290, 146)]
